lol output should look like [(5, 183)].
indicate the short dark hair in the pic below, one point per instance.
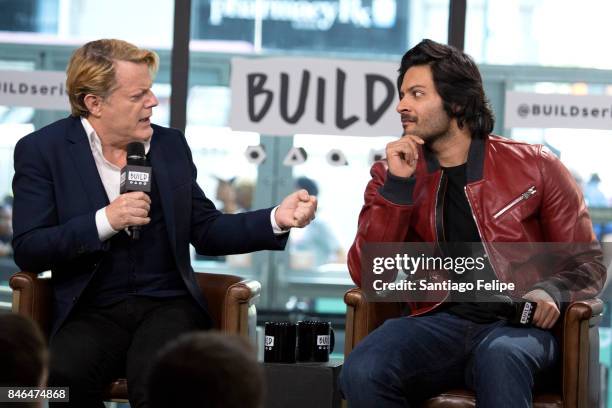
[(206, 370), (23, 351), (457, 80)]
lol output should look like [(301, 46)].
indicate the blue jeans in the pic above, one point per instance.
[(409, 359)]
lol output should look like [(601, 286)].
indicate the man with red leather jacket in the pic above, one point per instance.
[(447, 179)]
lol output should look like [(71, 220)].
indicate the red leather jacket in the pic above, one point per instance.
[(518, 192)]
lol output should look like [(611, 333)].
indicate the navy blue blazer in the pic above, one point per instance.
[(58, 190)]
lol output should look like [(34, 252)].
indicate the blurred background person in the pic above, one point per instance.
[(245, 191), (593, 194), (317, 244), (595, 198), (226, 196), (6, 226)]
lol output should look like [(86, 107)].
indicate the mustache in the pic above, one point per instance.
[(406, 117)]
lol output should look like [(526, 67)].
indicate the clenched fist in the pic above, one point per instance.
[(403, 154), (296, 210), (129, 209)]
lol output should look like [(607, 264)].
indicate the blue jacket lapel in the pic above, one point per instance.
[(160, 175), (80, 153)]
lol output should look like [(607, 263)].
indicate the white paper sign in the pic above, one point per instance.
[(285, 96), (557, 111), (36, 89)]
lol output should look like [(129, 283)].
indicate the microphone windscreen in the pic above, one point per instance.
[(135, 151)]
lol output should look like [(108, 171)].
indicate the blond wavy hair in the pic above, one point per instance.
[(91, 69)]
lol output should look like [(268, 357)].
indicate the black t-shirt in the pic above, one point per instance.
[(459, 235)]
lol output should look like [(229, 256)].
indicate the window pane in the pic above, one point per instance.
[(331, 26), (29, 15), (15, 122), (84, 20), (539, 32)]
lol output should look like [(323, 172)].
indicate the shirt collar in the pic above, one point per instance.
[(94, 139)]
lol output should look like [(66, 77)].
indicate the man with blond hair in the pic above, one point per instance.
[(117, 300)]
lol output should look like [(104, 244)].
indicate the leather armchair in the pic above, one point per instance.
[(231, 303), (576, 330)]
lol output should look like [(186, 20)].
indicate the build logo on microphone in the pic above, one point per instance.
[(135, 178), (138, 177)]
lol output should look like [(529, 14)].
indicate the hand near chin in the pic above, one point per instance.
[(403, 155)]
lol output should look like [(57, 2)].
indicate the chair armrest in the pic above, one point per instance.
[(231, 302), (580, 350), (32, 298), (240, 314), (362, 316)]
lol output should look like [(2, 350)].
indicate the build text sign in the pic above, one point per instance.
[(285, 96)]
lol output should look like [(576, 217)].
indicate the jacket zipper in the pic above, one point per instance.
[(436, 226), (484, 244), (527, 194), (436, 206)]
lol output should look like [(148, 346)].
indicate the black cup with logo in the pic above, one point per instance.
[(279, 344), (315, 341)]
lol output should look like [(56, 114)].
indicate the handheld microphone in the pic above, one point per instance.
[(136, 176), (518, 312)]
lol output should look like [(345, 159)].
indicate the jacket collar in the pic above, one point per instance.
[(161, 166), (80, 153), (475, 162)]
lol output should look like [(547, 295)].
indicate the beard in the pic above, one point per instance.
[(431, 138), (434, 129)]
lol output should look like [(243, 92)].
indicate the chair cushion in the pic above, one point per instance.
[(466, 399), (117, 391)]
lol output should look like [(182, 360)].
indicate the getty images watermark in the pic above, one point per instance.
[(471, 272), (410, 264)]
